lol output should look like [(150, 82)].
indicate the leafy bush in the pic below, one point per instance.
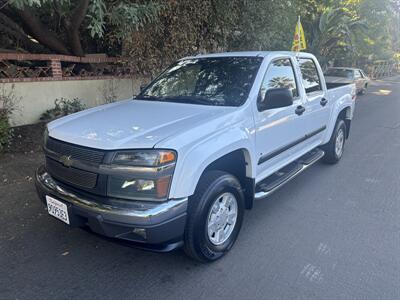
[(62, 107), (8, 105)]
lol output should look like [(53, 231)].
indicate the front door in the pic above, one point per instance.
[(279, 131)]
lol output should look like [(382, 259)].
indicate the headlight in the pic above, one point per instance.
[(151, 174), (139, 189), (145, 158)]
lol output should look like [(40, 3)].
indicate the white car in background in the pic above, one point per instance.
[(348, 75)]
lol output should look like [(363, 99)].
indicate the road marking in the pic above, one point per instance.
[(382, 92), (323, 249), (312, 273), (394, 126), (371, 180)]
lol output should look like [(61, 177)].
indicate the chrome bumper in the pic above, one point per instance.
[(128, 212)]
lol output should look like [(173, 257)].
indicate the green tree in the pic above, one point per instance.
[(263, 25), (71, 26), (333, 34), (382, 19)]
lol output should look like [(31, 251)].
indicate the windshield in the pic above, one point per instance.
[(345, 73), (222, 81)]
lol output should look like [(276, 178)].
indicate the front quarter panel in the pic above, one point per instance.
[(203, 144)]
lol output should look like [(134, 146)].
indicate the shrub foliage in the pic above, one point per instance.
[(62, 107)]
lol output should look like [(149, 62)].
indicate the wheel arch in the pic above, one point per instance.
[(345, 114), (237, 163)]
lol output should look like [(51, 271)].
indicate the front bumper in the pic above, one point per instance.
[(152, 223)]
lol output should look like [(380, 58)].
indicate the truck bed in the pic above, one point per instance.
[(333, 85), (338, 91)]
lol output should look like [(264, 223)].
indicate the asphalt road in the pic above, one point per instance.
[(331, 233)]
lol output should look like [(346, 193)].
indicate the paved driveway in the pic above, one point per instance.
[(332, 233)]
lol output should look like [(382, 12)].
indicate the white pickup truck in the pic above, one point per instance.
[(179, 164)]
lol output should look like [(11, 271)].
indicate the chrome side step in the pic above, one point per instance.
[(287, 173)]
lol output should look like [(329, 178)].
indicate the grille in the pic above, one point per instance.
[(76, 152), (71, 175)]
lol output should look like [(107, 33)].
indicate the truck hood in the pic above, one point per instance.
[(130, 124)]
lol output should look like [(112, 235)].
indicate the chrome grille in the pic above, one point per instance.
[(71, 175), (76, 152)]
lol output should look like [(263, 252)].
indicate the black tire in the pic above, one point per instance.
[(331, 155), (196, 241)]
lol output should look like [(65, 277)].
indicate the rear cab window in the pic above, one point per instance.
[(310, 76)]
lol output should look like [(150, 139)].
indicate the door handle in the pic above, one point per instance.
[(299, 110), (323, 101)]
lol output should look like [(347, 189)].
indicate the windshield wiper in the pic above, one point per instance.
[(191, 99), (180, 99), (149, 97)]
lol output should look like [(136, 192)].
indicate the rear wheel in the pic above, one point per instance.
[(215, 216), (335, 147)]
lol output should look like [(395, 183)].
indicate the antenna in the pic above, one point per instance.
[(298, 36)]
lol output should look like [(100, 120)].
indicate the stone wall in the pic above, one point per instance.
[(38, 96)]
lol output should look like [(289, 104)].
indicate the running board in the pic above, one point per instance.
[(287, 173)]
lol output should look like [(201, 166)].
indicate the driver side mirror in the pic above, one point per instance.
[(276, 98)]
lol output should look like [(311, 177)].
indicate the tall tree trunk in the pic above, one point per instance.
[(12, 29), (39, 31), (76, 20)]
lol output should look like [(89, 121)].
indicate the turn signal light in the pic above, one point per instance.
[(166, 156)]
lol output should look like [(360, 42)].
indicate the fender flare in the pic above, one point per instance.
[(195, 160), (342, 104)]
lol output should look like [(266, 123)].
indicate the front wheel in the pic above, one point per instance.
[(334, 148), (215, 216)]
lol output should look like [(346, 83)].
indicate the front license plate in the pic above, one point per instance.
[(57, 209)]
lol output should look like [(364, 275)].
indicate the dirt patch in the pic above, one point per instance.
[(18, 168), (27, 139), (24, 154)]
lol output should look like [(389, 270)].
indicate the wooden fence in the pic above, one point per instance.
[(382, 69)]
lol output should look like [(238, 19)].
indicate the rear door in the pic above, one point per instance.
[(278, 130), (317, 103)]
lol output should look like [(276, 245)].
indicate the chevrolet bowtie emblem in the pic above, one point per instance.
[(66, 160)]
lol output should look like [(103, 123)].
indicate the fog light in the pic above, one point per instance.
[(141, 232)]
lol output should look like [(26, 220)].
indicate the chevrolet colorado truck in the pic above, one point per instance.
[(180, 163)]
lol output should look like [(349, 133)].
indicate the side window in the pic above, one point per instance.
[(359, 74), (280, 74), (310, 75)]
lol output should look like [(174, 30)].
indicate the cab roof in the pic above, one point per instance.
[(250, 54)]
